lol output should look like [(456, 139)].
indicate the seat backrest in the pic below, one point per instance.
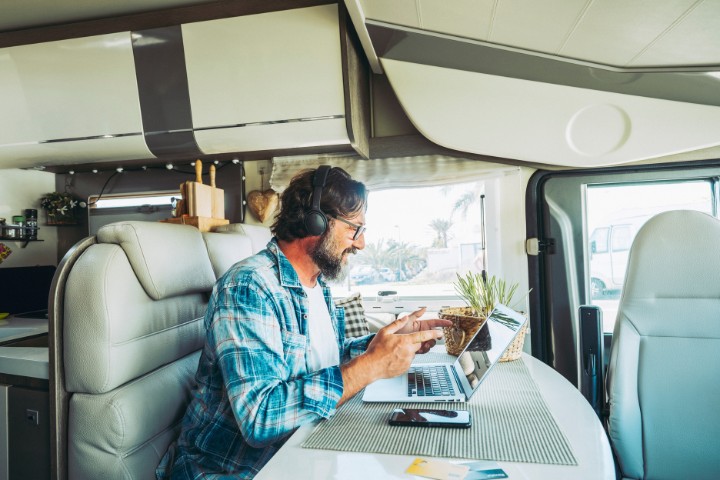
[(663, 387), (126, 332), (229, 244)]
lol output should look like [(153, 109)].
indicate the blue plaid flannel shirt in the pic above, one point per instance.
[(253, 387)]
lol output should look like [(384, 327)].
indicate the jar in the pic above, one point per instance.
[(31, 225), (19, 222), (9, 231)]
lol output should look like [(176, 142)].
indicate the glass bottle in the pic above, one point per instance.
[(31, 225), (18, 221)]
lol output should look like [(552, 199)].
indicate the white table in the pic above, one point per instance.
[(573, 414)]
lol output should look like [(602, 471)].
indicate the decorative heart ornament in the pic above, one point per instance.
[(263, 204)]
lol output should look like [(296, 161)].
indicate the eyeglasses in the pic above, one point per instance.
[(359, 229)]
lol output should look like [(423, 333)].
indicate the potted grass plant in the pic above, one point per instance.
[(481, 293)]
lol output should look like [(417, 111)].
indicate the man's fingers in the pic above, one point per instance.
[(396, 325), (419, 313), (425, 335), (437, 322)]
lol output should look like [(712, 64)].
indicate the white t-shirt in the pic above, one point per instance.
[(323, 351)]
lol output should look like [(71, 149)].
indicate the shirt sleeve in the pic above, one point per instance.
[(261, 357), (354, 347)]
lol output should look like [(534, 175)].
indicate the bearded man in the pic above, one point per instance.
[(275, 354)]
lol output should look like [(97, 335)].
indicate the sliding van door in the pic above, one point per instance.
[(586, 222)]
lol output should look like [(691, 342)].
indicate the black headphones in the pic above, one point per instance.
[(315, 220)]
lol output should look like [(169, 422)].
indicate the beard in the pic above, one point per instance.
[(329, 262)]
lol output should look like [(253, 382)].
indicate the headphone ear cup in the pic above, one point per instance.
[(315, 222)]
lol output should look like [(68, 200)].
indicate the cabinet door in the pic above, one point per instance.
[(272, 80), (70, 100), (29, 428)]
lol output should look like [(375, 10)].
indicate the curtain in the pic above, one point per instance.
[(387, 173)]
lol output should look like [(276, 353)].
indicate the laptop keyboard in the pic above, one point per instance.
[(429, 381)]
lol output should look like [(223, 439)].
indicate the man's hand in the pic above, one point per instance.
[(390, 352), (414, 324), (394, 346)]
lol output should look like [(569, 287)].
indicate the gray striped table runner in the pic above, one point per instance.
[(511, 422)]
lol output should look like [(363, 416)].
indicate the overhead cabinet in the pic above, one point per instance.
[(267, 81), (69, 101), (259, 83)]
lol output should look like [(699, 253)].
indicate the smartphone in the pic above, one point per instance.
[(423, 417)]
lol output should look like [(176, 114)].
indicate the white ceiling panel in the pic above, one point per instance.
[(693, 40), (464, 18), (535, 26), (614, 32)]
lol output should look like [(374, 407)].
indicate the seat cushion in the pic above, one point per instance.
[(123, 434)]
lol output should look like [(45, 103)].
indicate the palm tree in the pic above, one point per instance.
[(374, 254), (408, 259), (467, 198), (441, 227)]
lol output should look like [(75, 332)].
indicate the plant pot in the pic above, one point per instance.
[(465, 324), (58, 219)]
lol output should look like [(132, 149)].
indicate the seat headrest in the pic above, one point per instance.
[(259, 235), (168, 259), (675, 255), (673, 275)]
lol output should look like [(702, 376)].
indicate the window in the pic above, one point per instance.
[(617, 212), (417, 240), (144, 206)]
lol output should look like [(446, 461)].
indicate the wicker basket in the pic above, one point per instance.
[(516, 347), (464, 327)]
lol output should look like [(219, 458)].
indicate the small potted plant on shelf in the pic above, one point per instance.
[(480, 293), (60, 208)]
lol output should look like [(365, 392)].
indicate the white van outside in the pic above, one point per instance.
[(609, 249)]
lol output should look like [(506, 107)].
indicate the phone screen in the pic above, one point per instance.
[(422, 417)]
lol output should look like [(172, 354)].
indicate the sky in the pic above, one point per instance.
[(420, 206)]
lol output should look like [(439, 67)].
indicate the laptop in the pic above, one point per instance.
[(453, 381)]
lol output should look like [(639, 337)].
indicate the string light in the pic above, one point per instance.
[(169, 166)]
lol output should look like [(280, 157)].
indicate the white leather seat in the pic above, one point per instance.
[(664, 374), (126, 329), (229, 244)]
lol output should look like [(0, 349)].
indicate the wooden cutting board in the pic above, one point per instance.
[(200, 197), (218, 196)]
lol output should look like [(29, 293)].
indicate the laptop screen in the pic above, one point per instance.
[(487, 347)]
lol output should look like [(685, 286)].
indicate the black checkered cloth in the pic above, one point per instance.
[(355, 323)]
